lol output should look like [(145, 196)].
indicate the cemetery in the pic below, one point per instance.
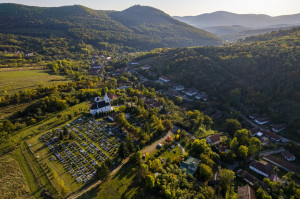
[(89, 144)]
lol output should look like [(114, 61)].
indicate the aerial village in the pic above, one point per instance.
[(99, 136)]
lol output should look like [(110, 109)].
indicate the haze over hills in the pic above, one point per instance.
[(138, 27), (231, 26)]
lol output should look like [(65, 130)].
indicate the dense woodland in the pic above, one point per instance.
[(262, 75), (152, 29)]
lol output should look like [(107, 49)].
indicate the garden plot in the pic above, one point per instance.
[(92, 143)]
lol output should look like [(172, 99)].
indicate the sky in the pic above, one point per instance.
[(181, 7)]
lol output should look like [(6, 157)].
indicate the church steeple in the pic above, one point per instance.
[(106, 98)]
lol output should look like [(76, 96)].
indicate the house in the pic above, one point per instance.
[(190, 164), (288, 156), (262, 120), (246, 192), (256, 131), (134, 63), (146, 67), (252, 180), (274, 178), (263, 168), (28, 54), (253, 116), (101, 106), (108, 58), (112, 97), (164, 79), (94, 71), (279, 127), (213, 139), (190, 92), (201, 95), (273, 136), (178, 87)]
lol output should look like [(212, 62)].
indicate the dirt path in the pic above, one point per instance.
[(152, 147), (149, 149)]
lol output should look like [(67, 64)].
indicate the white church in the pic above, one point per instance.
[(101, 106)]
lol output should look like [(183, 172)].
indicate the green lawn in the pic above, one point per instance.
[(121, 185), (170, 153), (19, 79)]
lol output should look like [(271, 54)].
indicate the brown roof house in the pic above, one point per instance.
[(263, 168), (246, 192), (288, 156), (213, 139), (279, 127)]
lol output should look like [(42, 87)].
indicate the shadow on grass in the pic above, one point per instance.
[(90, 194), (125, 171)]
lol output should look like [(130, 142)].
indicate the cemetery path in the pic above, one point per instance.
[(149, 149)]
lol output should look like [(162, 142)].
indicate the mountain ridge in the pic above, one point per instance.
[(138, 27)]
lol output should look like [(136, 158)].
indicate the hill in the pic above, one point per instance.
[(266, 73), (231, 26), (155, 29)]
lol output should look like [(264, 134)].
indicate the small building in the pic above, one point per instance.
[(246, 192), (213, 139), (262, 120), (112, 97), (101, 106), (178, 87), (190, 92), (201, 96), (273, 136), (279, 127), (288, 156), (190, 164), (263, 168), (146, 67), (164, 79)]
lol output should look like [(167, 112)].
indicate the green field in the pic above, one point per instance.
[(11, 178), (14, 80)]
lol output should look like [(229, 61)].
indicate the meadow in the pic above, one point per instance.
[(17, 79)]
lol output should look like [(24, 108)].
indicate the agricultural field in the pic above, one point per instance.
[(11, 178), (14, 80), (74, 160)]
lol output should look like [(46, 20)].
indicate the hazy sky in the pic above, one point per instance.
[(182, 7)]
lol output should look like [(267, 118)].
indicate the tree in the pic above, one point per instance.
[(200, 146), (102, 172), (242, 152), (149, 182), (123, 150), (136, 159), (234, 144), (207, 121), (226, 178), (232, 125), (205, 172), (254, 145), (141, 172), (168, 124), (242, 136)]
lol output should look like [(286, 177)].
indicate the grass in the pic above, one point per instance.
[(122, 185), (15, 80), (11, 178), (170, 154)]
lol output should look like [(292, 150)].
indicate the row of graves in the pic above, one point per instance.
[(94, 142)]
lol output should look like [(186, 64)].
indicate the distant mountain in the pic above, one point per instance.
[(231, 26), (139, 27)]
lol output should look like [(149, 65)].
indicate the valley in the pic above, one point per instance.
[(136, 104)]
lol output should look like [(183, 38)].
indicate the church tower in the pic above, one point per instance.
[(106, 98)]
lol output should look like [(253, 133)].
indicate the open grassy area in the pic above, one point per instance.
[(14, 80), (11, 178), (121, 185), (7, 111)]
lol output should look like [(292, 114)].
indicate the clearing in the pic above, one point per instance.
[(13, 80)]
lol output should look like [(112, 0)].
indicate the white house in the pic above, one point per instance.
[(190, 92), (178, 87), (146, 67), (164, 79), (101, 106), (261, 121)]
